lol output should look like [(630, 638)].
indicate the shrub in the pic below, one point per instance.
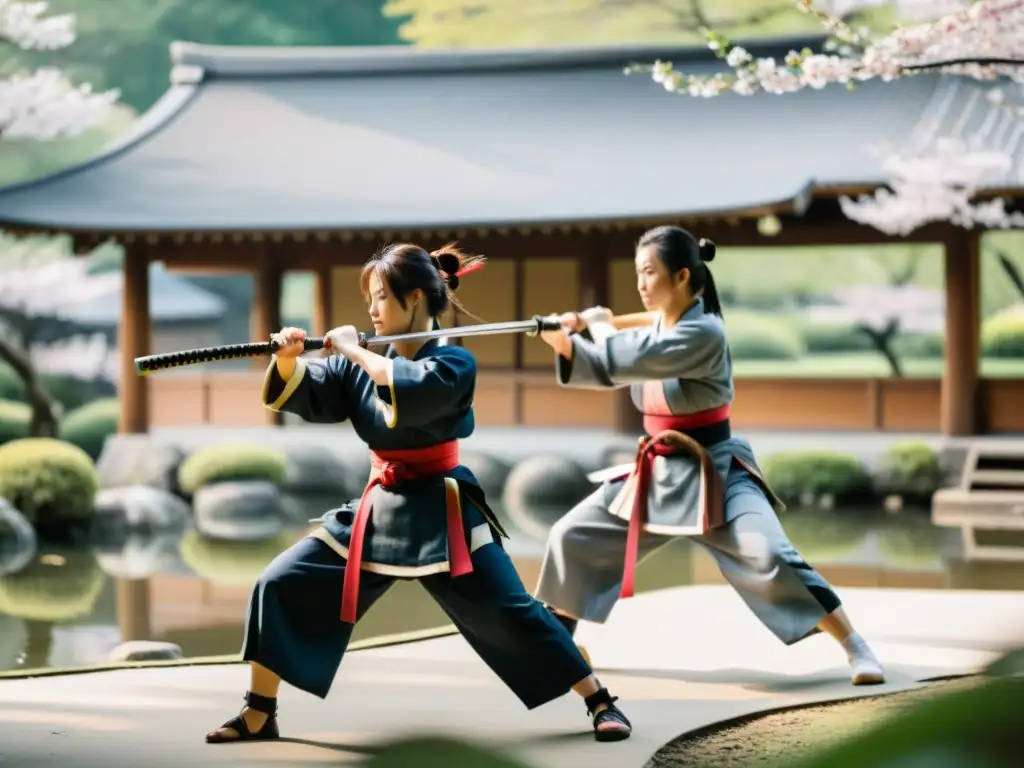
[(219, 463), (14, 420), (911, 470), (762, 337), (1002, 335), (919, 346), (230, 563), (58, 586), (831, 338), (802, 474), (89, 427), (51, 482)]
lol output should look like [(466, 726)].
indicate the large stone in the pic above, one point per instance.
[(139, 460), (18, 542), (491, 472), (139, 556), (314, 469), (138, 509), (541, 489), (244, 510), (145, 650)]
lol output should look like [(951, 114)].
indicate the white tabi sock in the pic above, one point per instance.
[(856, 646)]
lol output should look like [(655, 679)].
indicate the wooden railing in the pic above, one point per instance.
[(230, 399)]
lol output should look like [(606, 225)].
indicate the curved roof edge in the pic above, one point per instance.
[(796, 203), (150, 123), (195, 61)]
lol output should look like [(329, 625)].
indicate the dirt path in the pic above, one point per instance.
[(790, 735)]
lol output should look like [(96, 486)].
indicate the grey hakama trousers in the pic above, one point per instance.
[(582, 569), (294, 629)]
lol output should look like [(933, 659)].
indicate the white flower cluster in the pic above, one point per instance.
[(25, 25), (44, 104), (935, 188), (984, 41)]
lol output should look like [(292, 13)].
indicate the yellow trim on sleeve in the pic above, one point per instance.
[(289, 388), (390, 411)]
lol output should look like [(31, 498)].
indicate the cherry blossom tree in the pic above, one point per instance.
[(41, 105), (984, 41)]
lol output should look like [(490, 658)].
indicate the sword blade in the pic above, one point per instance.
[(484, 329)]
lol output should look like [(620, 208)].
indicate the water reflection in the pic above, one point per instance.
[(72, 606)]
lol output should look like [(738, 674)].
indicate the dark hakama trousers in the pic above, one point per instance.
[(294, 628)]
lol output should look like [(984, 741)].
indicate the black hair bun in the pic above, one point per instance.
[(453, 282), (706, 248), (449, 263)]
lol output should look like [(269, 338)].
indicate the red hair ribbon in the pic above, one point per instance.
[(471, 268)]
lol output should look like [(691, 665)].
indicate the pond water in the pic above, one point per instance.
[(70, 607)]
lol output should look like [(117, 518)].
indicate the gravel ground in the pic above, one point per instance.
[(789, 736)]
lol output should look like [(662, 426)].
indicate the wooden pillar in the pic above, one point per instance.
[(265, 318), (134, 341), (595, 291), (519, 286), (959, 399), (323, 302)]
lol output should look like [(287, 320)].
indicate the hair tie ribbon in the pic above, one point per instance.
[(466, 270)]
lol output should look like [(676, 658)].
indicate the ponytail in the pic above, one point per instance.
[(712, 305), (706, 249)]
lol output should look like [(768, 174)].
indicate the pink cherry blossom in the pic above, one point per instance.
[(44, 104)]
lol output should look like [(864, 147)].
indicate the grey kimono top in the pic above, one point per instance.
[(674, 371)]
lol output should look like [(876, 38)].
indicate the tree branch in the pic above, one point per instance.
[(45, 411), (1012, 272), (980, 61), (883, 343)]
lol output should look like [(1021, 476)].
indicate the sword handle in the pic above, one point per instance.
[(309, 345), (544, 324)]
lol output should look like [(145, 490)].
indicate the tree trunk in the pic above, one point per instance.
[(883, 343), (45, 410)]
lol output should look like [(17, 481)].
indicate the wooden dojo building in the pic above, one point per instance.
[(549, 162)]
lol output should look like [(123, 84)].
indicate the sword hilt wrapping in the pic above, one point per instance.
[(144, 365)]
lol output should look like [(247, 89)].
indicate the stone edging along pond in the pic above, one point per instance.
[(369, 643)]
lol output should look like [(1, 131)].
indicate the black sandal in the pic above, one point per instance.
[(610, 715), (265, 704)]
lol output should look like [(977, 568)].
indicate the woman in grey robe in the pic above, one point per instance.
[(692, 477)]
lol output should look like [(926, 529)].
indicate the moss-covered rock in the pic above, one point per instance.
[(219, 463), (52, 483)]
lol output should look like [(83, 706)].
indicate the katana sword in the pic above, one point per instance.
[(151, 363)]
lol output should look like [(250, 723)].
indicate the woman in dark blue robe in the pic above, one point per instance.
[(423, 515)]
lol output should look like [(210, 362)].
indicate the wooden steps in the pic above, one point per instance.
[(988, 504)]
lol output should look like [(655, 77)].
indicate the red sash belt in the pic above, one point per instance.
[(650, 447), (389, 468)]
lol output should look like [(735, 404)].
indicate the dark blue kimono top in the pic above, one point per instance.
[(428, 400)]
